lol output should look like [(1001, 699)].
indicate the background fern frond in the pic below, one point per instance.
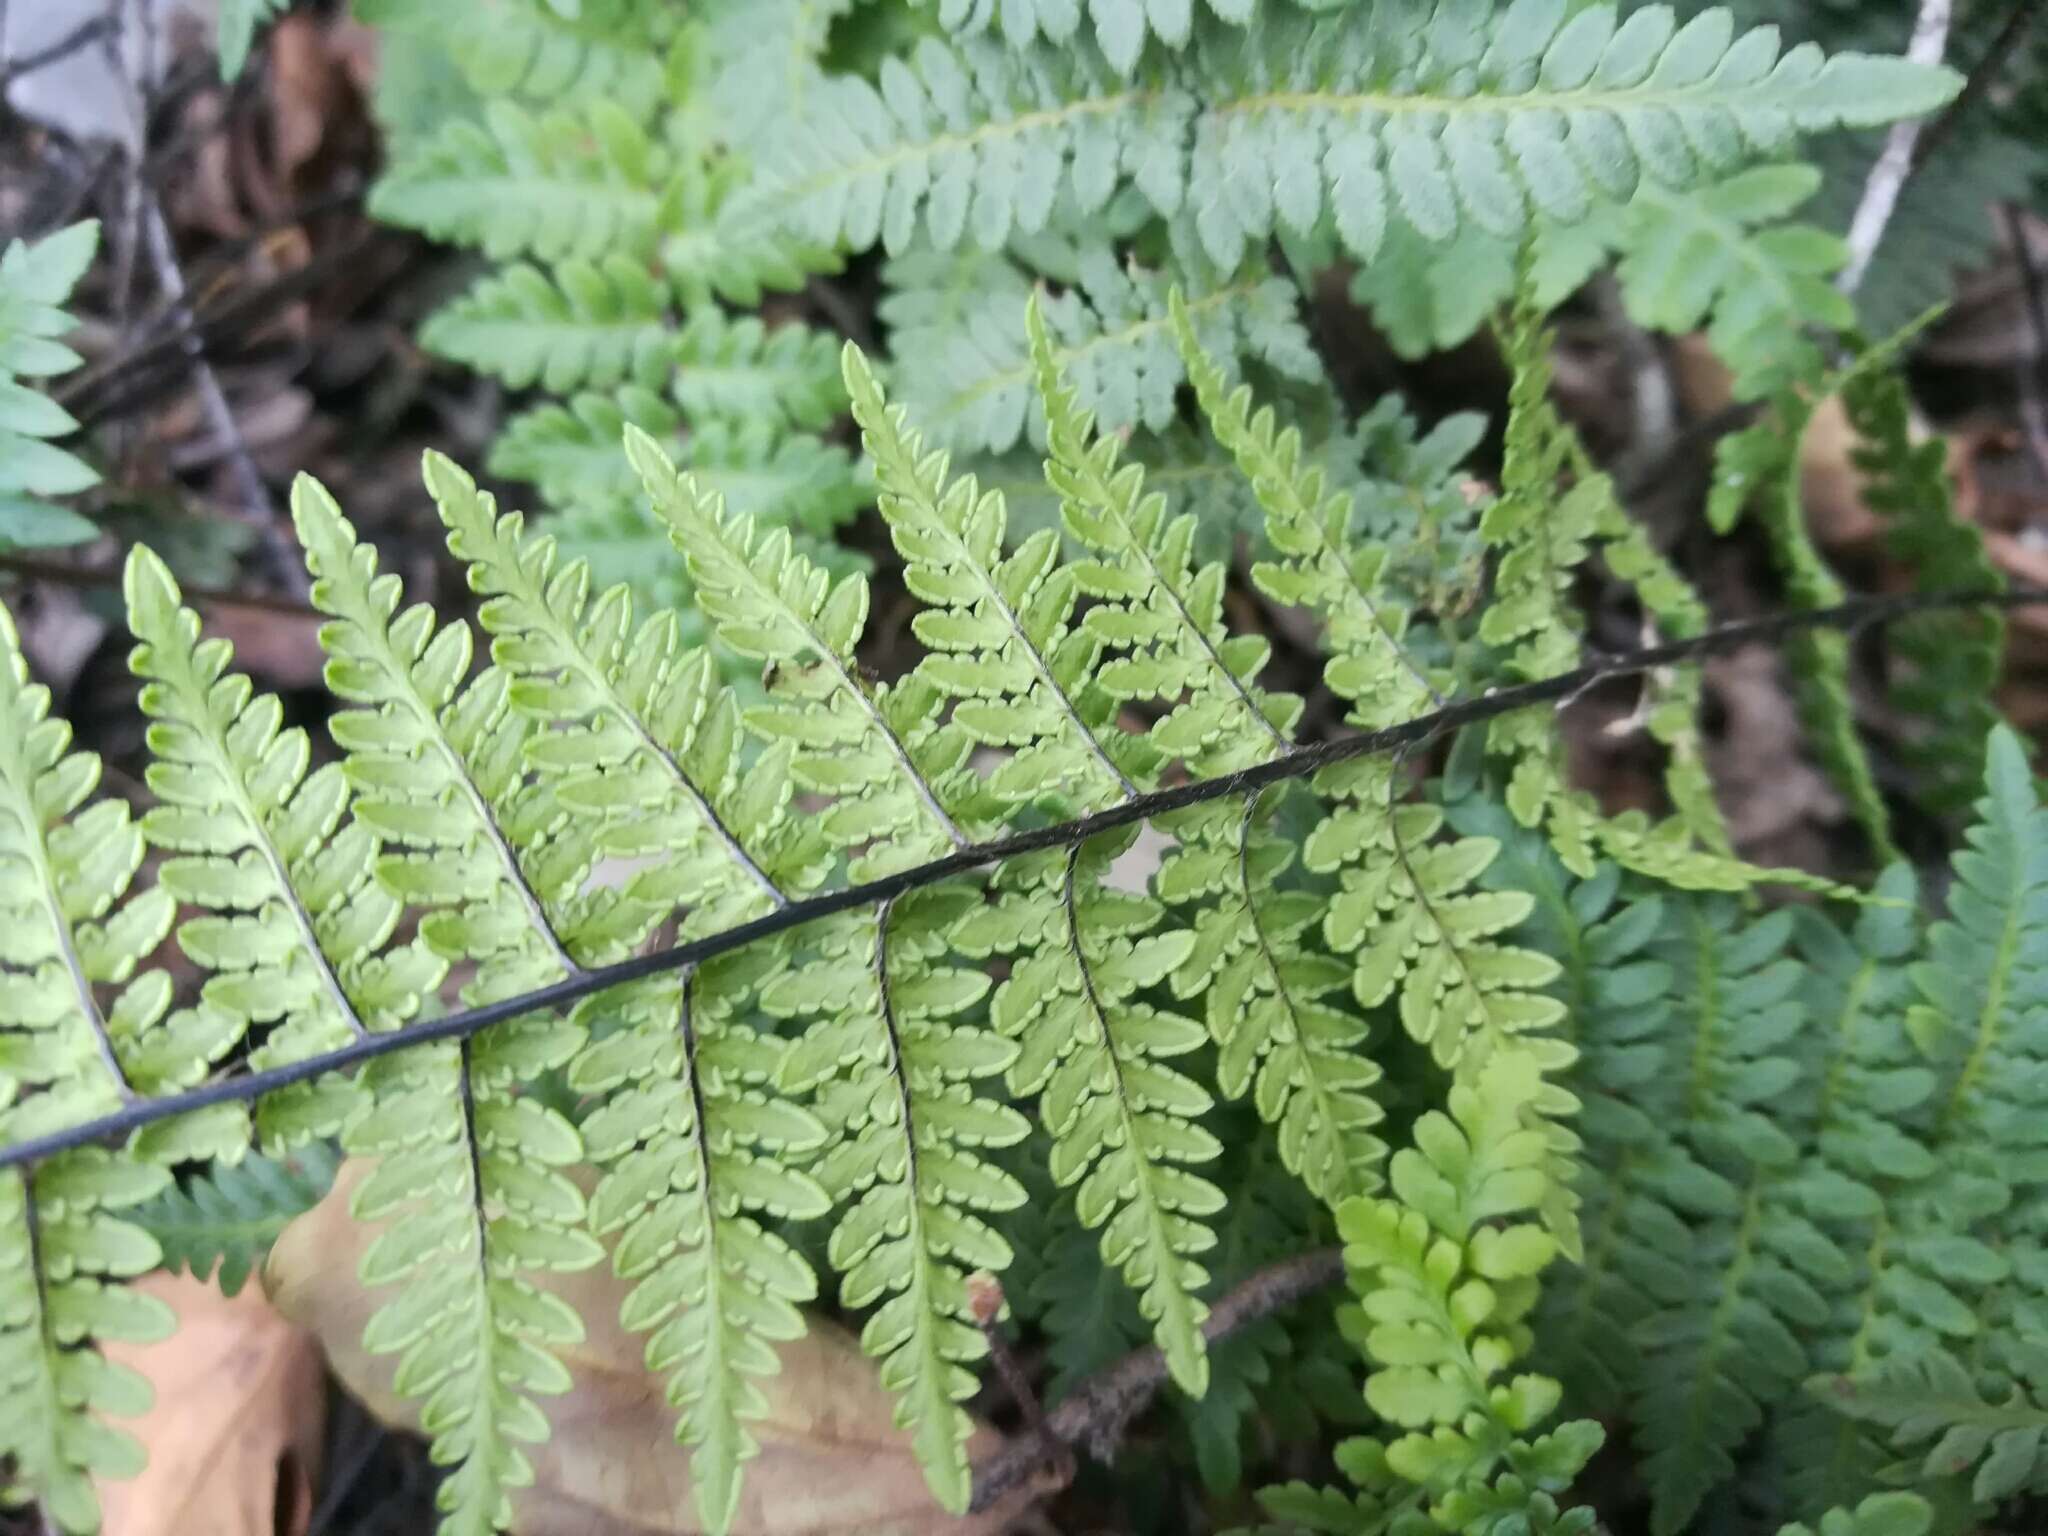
[(218, 1225), (35, 281), (585, 325)]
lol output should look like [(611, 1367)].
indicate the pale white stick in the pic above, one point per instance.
[(1888, 175)]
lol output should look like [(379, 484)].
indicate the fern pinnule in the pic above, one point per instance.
[(438, 764), (742, 370), (894, 1070), (620, 714), (219, 1224)]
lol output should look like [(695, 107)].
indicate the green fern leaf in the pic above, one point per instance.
[(65, 1245), (35, 280), (220, 1224), (894, 1070), (1444, 1292), (263, 847), (589, 325), (567, 184), (468, 1170), (1431, 125), (1931, 1396), (967, 374)]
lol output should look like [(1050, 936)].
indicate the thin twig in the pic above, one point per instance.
[(2033, 358), (2001, 48), (256, 507), (1295, 764), (84, 35), (1099, 1409), (1888, 176)]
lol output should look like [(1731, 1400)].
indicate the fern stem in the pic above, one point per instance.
[(1298, 763), (49, 1409)]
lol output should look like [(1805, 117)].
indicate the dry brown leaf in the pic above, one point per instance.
[(832, 1462), (234, 1438)]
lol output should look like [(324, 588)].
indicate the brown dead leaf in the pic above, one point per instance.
[(234, 1438), (832, 1462)]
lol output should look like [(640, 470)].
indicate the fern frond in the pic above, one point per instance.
[(218, 1225), (745, 371), (1952, 663), (1931, 1396), (1434, 126), (1444, 1297), (1759, 1268), (70, 927), (35, 280), (468, 1167), (1949, 1267), (295, 929), (967, 374), (586, 325), (579, 183)]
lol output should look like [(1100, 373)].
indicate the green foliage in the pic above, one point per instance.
[(1933, 1396), (1173, 1036), (219, 1225), (35, 280)]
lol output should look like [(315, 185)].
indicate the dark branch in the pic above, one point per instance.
[(1098, 1410), (1855, 615), (81, 36)]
